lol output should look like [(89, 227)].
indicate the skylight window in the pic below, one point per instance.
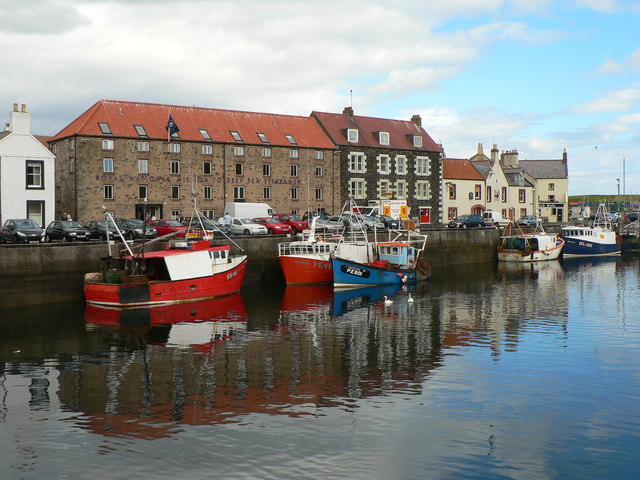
[(263, 138), (104, 128), (383, 138), (292, 140), (352, 135), (205, 134), (236, 136), (141, 131)]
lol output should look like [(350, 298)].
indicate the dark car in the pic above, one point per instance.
[(21, 230), (66, 230), (296, 222), (467, 221), (388, 221), (97, 229), (134, 228)]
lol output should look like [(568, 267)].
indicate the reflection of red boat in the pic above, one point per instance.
[(308, 297), (182, 272)]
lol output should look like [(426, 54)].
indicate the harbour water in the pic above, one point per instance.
[(493, 371)]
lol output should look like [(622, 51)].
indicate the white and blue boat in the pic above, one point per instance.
[(599, 238)]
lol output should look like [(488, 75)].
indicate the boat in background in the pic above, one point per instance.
[(529, 247), (599, 238)]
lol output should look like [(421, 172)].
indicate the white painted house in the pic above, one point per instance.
[(27, 183)]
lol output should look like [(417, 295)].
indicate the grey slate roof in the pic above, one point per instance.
[(545, 168)]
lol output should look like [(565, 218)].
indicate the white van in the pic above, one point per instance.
[(248, 210), (492, 218)]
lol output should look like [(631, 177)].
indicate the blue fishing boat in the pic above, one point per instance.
[(598, 238)]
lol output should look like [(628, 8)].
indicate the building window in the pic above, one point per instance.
[(504, 194), (141, 131), (356, 188), (319, 170), (477, 192), (522, 195), (489, 194), (294, 193), (266, 169), (417, 141), (384, 164), (356, 162), (236, 136), (143, 166), (294, 153), (238, 193), (452, 213), (401, 189), (552, 186), (175, 191), (523, 212), (35, 174), (174, 148), (207, 168), (143, 146), (175, 167), (319, 155), (383, 138), (210, 214), (107, 165), (422, 165), (239, 168), (552, 198), (266, 193), (54, 148), (204, 133), (401, 165), (104, 128), (108, 144), (292, 140), (207, 149), (352, 135), (72, 165), (238, 151), (319, 194), (423, 191), (294, 170), (35, 211), (452, 191), (266, 152), (263, 138), (208, 192), (108, 192), (176, 214), (384, 187), (142, 192), (72, 144)]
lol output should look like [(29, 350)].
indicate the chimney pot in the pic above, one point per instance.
[(15, 107), (417, 119), (348, 111), (24, 108)]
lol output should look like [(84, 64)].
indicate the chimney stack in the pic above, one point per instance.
[(417, 120), (348, 111), (480, 149)]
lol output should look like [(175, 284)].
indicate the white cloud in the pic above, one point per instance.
[(618, 101)]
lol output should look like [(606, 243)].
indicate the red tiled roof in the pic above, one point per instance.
[(336, 125), (122, 116), (460, 168)]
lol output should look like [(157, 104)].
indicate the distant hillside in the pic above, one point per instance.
[(607, 199)]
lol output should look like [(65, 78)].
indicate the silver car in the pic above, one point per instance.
[(245, 226)]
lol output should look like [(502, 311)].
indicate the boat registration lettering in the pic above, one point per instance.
[(231, 275), (355, 271), (585, 244), (322, 265)]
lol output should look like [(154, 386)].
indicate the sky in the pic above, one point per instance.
[(536, 76)]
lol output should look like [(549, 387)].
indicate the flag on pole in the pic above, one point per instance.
[(172, 128)]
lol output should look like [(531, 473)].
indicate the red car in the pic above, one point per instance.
[(164, 226), (294, 221), (273, 225)]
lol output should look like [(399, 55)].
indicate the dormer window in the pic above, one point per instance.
[(236, 136), (204, 133), (352, 135), (263, 138), (292, 140), (417, 141), (141, 131), (104, 128), (383, 138)]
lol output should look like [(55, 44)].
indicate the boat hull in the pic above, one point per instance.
[(301, 270), (582, 247), (553, 244), (164, 292), (353, 274)]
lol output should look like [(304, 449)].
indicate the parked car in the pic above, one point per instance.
[(194, 227), (296, 222), (467, 221), (493, 218), (164, 226), (372, 222), (308, 216), (97, 229), (388, 221), (66, 230), (529, 221), (341, 221), (324, 226), (134, 228), (245, 226), (273, 225), (21, 230)]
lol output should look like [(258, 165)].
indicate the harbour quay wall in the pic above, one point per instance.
[(53, 273)]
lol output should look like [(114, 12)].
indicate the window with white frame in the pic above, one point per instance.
[(107, 192), (319, 169), (417, 141), (422, 166), (356, 162), (140, 130), (238, 151), (319, 155), (174, 147), (35, 172), (142, 192), (175, 191), (266, 169), (205, 133), (107, 165), (266, 152), (423, 190), (72, 164), (263, 138), (401, 165), (104, 128), (384, 164), (319, 193), (294, 153), (175, 167), (352, 135), (207, 168), (143, 146), (210, 214), (452, 213), (290, 138), (357, 188), (294, 193), (108, 144), (176, 214), (383, 138), (266, 193), (143, 166), (207, 149), (384, 187), (477, 192), (72, 144), (207, 192), (401, 189), (294, 170), (522, 195), (238, 193), (504, 194), (239, 168), (236, 136)]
